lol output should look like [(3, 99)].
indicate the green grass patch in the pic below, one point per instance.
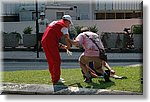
[(73, 77)]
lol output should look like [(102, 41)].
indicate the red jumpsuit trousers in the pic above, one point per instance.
[(50, 43)]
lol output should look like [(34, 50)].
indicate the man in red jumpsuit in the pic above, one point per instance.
[(51, 45)]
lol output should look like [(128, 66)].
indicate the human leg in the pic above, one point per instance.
[(53, 58), (106, 65), (85, 69), (39, 41), (97, 70)]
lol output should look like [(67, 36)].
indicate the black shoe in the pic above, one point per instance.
[(88, 80), (106, 77)]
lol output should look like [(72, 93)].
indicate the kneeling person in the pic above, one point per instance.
[(91, 53)]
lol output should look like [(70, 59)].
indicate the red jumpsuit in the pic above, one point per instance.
[(50, 44)]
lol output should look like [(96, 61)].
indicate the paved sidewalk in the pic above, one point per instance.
[(42, 89)]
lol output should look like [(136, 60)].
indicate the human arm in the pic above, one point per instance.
[(78, 41), (65, 32), (74, 42), (69, 53), (47, 22), (105, 64), (62, 46), (67, 40)]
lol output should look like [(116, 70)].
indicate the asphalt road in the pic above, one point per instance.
[(27, 60)]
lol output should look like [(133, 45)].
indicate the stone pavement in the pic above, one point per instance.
[(39, 89)]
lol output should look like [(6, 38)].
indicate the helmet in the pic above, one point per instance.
[(42, 14), (68, 17)]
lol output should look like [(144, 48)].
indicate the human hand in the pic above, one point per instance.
[(112, 71), (69, 53)]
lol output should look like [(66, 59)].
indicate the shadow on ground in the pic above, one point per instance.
[(59, 87)]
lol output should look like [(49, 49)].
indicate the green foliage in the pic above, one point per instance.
[(27, 30), (16, 34), (78, 29), (137, 29), (93, 29), (4, 33)]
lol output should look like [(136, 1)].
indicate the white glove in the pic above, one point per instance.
[(69, 53)]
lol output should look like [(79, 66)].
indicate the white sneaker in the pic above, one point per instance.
[(61, 80)]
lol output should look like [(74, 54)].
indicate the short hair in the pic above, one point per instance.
[(84, 29)]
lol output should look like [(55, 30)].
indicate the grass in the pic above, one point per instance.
[(73, 77)]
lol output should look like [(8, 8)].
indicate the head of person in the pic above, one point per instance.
[(84, 29), (68, 20), (42, 15)]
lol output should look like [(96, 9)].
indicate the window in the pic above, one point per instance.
[(119, 15), (137, 15), (129, 15), (59, 15), (84, 16), (110, 15), (100, 16), (34, 16)]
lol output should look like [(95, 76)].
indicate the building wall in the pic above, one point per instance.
[(83, 7), (109, 25), (51, 14), (23, 16), (85, 10), (103, 25), (118, 5)]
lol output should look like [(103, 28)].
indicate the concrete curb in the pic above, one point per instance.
[(108, 50), (42, 89), (69, 60)]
